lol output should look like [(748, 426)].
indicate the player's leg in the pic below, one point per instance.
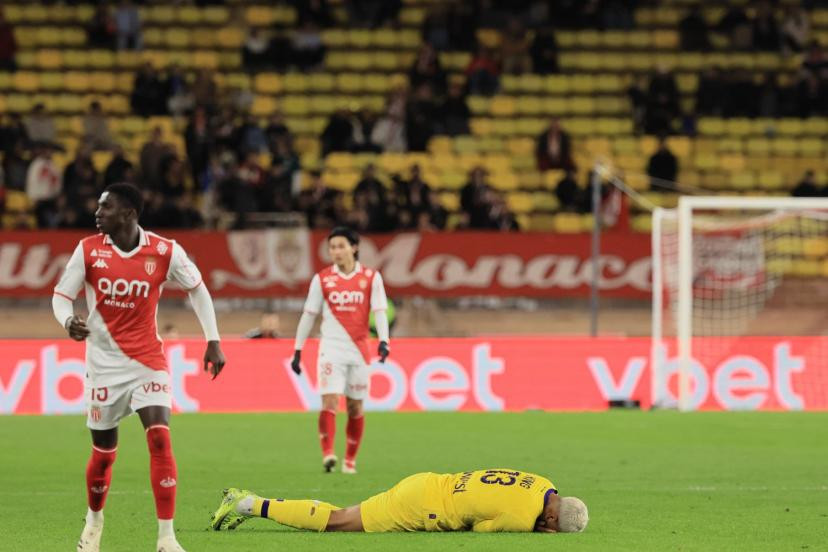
[(106, 405), (152, 400), (315, 515), (356, 391), (327, 430), (353, 433)]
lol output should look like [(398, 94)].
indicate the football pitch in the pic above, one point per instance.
[(651, 480)]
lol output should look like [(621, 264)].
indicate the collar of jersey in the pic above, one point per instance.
[(143, 240), (357, 268)]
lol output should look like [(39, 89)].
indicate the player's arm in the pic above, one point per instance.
[(379, 304), (505, 522), (70, 283), (184, 272), (313, 304)]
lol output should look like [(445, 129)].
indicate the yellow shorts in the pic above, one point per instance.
[(400, 508)]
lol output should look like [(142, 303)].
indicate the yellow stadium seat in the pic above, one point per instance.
[(25, 81), (519, 203), (48, 36), (502, 106), (77, 81), (189, 15), (771, 180), (17, 201), (815, 247), (743, 180), (739, 127), (263, 106), (71, 103), (705, 162), (784, 146), (758, 146), (49, 59), (230, 37), (711, 127), (568, 223), (267, 83), (176, 38), (732, 163), (811, 146), (215, 15)]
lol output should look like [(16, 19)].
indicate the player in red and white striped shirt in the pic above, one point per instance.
[(345, 293), (122, 271)]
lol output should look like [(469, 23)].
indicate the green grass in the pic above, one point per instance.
[(652, 481)]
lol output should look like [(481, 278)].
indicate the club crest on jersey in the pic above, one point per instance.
[(150, 265), (95, 413), (161, 248)]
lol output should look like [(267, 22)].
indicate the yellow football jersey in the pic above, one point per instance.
[(489, 501)]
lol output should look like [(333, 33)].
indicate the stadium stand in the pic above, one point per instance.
[(241, 133)]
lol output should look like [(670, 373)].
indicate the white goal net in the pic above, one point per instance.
[(740, 303)]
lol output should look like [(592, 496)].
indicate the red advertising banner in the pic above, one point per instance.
[(272, 263), (497, 374)]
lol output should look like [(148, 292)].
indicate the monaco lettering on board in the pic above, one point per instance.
[(265, 263), (493, 374)]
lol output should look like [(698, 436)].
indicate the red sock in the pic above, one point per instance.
[(353, 431), (98, 477), (327, 431), (163, 472)]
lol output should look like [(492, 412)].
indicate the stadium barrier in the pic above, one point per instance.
[(281, 262), (481, 374)]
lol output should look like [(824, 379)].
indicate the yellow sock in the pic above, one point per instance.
[(301, 514)]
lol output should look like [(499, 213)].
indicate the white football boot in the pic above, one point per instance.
[(329, 462), (168, 544), (90, 539), (349, 467)]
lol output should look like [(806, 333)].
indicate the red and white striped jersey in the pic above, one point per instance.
[(346, 302), (122, 293)]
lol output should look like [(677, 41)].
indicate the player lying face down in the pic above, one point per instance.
[(486, 501)]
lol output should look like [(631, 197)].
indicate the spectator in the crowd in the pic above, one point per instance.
[(454, 113), (473, 198), (554, 148), (663, 167), (307, 48), (435, 30), (767, 97), (101, 30), (710, 92), (412, 196), (281, 184), (514, 49), (205, 91), (250, 137), (148, 94), (420, 118), (736, 25), (370, 205), (338, 134), (40, 126), (369, 184), (77, 215), (276, 130), (427, 70), (268, 327), (96, 128), (796, 30), (372, 13), (16, 166), (500, 216), (637, 93), (740, 94), (44, 185), (815, 63), (119, 169), (617, 14), (320, 204), (80, 179), (198, 139), (390, 131), (807, 187), (12, 131), (317, 12), (693, 31), (461, 25), (128, 26), (8, 45), (810, 99), (178, 100), (241, 188), (567, 192), (255, 50), (483, 73), (173, 181), (223, 125), (662, 102), (765, 28), (544, 51), (437, 214), (363, 137), (151, 156)]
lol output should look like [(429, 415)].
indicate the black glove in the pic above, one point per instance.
[(383, 350), (296, 363)]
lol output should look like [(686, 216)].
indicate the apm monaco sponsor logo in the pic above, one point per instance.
[(122, 287), (346, 297), (100, 263), (167, 482)]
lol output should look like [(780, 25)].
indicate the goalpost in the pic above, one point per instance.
[(725, 267)]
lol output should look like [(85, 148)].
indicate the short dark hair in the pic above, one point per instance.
[(345, 232), (129, 195)]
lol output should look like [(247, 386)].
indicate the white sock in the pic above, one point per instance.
[(165, 528), (94, 518), (245, 506)]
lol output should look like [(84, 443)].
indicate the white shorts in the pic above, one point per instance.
[(342, 374), (107, 405)]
